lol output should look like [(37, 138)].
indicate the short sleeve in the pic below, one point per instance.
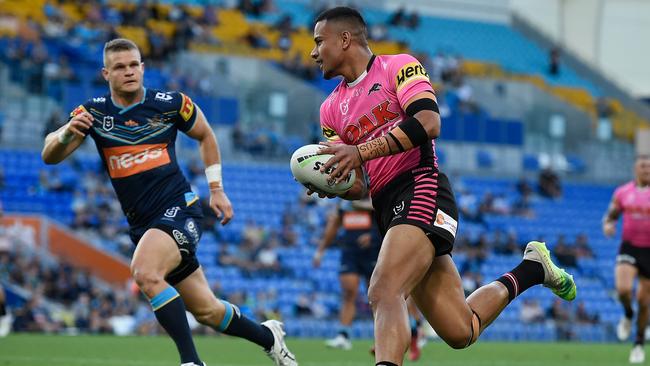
[(186, 109), (408, 77), (328, 128), (618, 195)]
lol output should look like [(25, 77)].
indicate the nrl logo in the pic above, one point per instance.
[(398, 208), (108, 124)]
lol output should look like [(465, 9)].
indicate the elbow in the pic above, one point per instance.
[(48, 159), (433, 127)]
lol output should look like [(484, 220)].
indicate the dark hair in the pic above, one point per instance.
[(345, 14)]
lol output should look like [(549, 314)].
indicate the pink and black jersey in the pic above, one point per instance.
[(374, 104), (634, 202)]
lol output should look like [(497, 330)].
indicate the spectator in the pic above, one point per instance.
[(583, 316), (582, 248), (565, 254), (531, 312), (562, 319), (549, 184)]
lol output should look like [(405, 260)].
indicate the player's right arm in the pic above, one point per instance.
[(611, 216), (334, 221), (62, 142)]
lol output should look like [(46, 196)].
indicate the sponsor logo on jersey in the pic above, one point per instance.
[(99, 100), (410, 72), (381, 114), (180, 238), (124, 161), (108, 123), (446, 222), (192, 229), (187, 108), (163, 97), (357, 220), (77, 111), (330, 134), (131, 123)]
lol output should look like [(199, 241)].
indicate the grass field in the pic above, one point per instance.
[(42, 350)]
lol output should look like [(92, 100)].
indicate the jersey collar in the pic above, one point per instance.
[(126, 109), (363, 75)]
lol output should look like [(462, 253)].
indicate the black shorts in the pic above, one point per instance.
[(182, 223), (636, 256), (359, 261), (423, 199)]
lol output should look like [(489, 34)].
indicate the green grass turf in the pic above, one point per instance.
[(43, 350)]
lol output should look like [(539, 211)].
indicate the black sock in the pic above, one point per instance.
[(3, 309), (236, 324), (385, 363), (629, 312), (640, 337), (521, 278), (345, 334), (170, 312)]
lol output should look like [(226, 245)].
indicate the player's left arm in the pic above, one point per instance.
[(209, 149)]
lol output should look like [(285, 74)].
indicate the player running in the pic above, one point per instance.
[(135, 130), (383, 116), (632, 200), (359, 242)]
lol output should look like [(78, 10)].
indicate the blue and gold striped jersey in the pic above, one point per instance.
[(136, 144)]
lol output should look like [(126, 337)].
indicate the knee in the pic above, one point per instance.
[(380, 291), (147, 280), (459, 338)]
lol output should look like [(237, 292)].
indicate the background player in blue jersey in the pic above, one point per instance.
[(359, 242), (135, 130)]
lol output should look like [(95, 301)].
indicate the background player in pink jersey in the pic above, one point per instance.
[(383, 116), (162, 215), (632, 200)]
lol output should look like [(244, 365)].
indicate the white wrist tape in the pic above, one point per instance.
[(65, 139), (213, 174)]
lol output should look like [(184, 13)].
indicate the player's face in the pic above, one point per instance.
[(124, 71), (642, 170), (328, 51)]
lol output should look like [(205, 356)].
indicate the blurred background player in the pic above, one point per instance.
[(5, 317), (135, 130), (384, 117), (359, 242), (632, 201)]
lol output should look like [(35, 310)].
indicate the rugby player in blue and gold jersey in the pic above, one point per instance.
[(135, 129)]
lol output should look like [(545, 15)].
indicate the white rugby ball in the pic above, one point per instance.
[(305, 167)]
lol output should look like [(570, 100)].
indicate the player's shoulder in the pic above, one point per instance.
[(625, 188), (164, 96), (327, 103), (398, 60), (94, 103)]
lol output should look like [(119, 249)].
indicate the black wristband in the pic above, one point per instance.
[(414, 130), (399, 146)]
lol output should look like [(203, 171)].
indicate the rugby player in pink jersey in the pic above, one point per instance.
[(383, 117), (632, 200)]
